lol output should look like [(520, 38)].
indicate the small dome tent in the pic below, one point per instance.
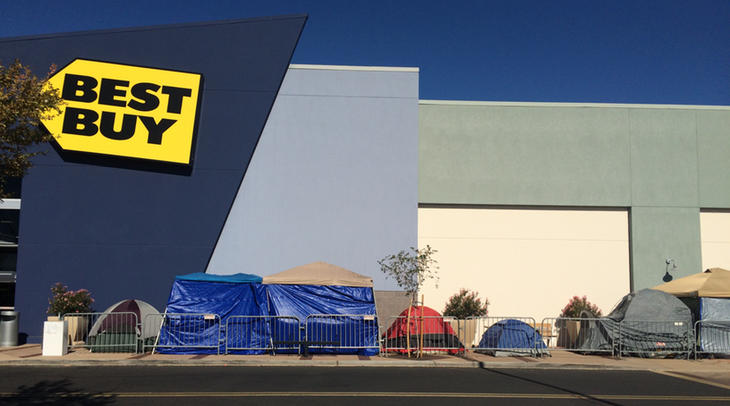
[(511, 337), (117, 329), (438, 335)]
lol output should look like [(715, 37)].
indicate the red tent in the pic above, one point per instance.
[(437, 333)]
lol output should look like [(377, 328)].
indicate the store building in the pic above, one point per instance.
[(527, 203), (533, 203)]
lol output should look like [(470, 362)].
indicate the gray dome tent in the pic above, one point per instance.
[(119, 327), (647, 322)]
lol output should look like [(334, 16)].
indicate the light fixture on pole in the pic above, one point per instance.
[(667, 277)]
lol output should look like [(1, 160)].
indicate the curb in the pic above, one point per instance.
[(312, 363)]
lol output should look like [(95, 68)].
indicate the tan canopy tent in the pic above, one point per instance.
[(319, 273), (713, 282)]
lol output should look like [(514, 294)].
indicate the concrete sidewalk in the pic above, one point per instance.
[(30, 354)]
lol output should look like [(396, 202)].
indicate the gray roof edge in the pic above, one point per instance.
[(570, 104)]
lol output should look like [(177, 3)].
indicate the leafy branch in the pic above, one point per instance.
[(411, 268)]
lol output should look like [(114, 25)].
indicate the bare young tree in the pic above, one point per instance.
[(411, 269)]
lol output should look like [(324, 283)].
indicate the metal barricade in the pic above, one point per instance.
[(465, 330), (263, 333), (184, 331), (507, 335), (713, 337), (589, 335), (341, 332), (103, 332), (404, 335), (655, 338)]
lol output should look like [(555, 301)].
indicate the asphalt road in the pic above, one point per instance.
[(182, 385)]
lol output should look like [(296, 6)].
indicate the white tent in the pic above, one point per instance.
[(319, 273)]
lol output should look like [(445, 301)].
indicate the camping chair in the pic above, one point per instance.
[(546, 331)]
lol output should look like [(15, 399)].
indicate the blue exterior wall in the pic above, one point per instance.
[(123, 229), (334, 177)]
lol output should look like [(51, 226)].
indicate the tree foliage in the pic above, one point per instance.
[(411, 268), (24, 101), (466, 304)]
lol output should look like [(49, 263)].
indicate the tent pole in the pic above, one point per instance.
[(420, 330), (408, 328), (157, 339)]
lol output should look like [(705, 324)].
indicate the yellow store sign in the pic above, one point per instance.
[(126, 110)]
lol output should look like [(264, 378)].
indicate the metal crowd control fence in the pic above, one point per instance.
[(184, 331), (713, 337), (403, 335), (590, 335), (263, 333), (655, 338), (506, 334), (103, 332), (341, 331)]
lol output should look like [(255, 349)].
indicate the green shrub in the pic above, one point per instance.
[(68, 301), (466, 304)]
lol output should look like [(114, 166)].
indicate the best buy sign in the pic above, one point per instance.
[(126, 110)]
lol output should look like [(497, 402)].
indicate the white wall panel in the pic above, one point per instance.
[(527, 262), (715, 234)]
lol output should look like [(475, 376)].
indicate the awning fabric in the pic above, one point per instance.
[(206, 277), (320, 274), (713, 282)]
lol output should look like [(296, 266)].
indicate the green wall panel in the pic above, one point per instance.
[(663, 158), (713, 140), (658, 233), (524, 155)]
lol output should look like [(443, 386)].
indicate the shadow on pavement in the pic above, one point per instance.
[(583, 395), (54, 393)]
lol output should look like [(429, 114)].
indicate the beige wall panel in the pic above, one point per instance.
[(715, 234), (527, 262)]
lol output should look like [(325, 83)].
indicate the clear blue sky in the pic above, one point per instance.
[(661, 51)]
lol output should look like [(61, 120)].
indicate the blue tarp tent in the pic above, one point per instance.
[(201, 308), (323, 289), (714, 332), (511, 337), (206, 295), (707, 294)]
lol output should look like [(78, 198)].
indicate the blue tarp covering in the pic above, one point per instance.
[(512, 335), (206, 277), (714, 332), (197, 296), (304, 300), (228, 296)]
